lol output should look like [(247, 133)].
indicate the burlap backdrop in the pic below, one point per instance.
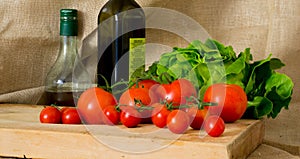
[(29, 41), (29, 34)]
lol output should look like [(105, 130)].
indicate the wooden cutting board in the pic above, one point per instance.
[(21, 135)]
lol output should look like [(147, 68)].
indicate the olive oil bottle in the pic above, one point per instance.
[(60, 86), (121, 41)]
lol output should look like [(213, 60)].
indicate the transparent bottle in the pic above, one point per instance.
[(61, 87), (121, 41)]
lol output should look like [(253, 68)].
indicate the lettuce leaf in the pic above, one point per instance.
[(212, 62), (279, 89)]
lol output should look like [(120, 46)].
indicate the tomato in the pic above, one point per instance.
[(112, 115), (178, 121), (50, 114), (166, 93), (130, 96), (130, 117), (70, 116), (231, 99), (159, 115), (177, 91), (151, 85), (197, 117), (139, 97), (91, 104), (186, 87), (148, 84), (214, 126)]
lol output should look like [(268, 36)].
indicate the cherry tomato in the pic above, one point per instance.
[(91, 104), (112, 115), (159, 115), (130, 117), (50, 114), (187, 89), (177, 91), (130, 96), (148, 84), (166, 93), (214, 126), (231, 99), (178, 121), (139, 97), (151, 85), (70, 116), (197, 117)]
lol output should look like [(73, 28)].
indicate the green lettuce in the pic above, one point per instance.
[(212, 62)]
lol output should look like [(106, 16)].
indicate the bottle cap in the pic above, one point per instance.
[(68, 22)]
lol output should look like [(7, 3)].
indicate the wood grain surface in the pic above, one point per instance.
[(22, 134)]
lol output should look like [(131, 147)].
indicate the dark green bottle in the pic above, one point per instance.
[(121, 40)]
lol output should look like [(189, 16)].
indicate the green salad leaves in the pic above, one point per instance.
[(211, 62)]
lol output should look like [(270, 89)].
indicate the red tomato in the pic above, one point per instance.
[(91, 104), (143, 95), (112, 115), (231, 99), (214, 126), (130, 117), (151, 85), (166, 93), (178, 121), (130, 96), (51, 115), (148, 84), (70, 116), (197, 117), (177, 91), (159, 115)]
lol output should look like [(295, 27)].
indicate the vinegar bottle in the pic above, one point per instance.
[(121, 41), (60, 86)]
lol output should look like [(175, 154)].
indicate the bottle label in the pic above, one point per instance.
[(136, 55)]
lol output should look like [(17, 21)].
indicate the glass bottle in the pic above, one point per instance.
[(61, 88), (121, 41)]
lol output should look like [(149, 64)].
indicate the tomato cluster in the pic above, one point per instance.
[(54, 115), (174, 106)]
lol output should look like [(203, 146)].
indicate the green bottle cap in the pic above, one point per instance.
[(68, 22)]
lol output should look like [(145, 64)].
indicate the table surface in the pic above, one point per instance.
[(25, 118)]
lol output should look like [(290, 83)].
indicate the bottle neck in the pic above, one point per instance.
[(68, 48)]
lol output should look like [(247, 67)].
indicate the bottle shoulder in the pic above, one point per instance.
[(114, 7)]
